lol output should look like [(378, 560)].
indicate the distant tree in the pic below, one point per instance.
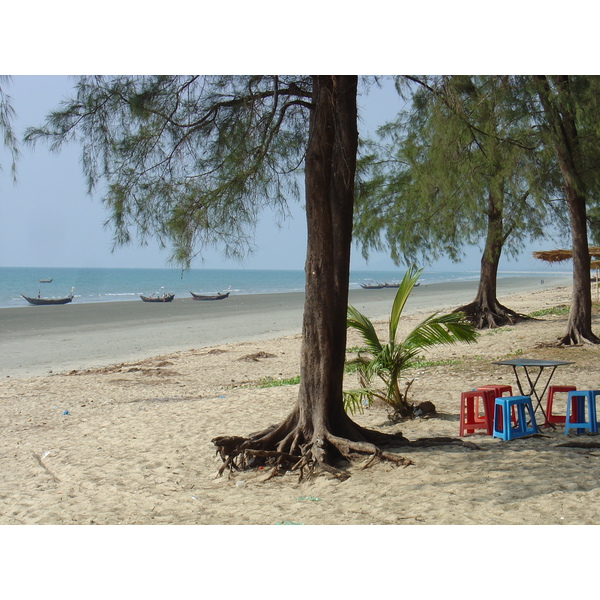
[(458, 168), (192, 160), (7, 115), (567, 110)]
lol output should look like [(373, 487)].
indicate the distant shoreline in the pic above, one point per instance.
[(37, 339), (97, 285)]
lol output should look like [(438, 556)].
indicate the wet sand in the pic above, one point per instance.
[(37, 340)]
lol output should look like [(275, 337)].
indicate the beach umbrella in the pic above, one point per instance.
[(562, 255)]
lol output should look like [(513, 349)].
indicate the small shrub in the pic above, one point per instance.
[(554, 310)]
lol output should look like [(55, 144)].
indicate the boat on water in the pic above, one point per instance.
[(166, 297), (39, 301), (45, 280), (372, 286), (381, 286), (213, 297)]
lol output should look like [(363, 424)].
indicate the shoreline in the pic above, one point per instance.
[(38, 340)]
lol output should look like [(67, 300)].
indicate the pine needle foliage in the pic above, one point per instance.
[(191, 160), (7, 115)]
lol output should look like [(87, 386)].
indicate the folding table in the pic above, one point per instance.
[(532, 377)]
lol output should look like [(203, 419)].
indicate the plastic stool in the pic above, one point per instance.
[(503, 428), (576, 401), (487, 402), (553, 389), (470, 419), (499, 390)]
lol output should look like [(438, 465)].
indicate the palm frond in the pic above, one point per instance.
[(443, 329), (406, 286), (366, 329), (390, 360), (355, 401)]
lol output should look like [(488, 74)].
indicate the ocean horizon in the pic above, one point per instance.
[(126, 284)]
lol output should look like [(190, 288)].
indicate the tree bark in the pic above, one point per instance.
[(564, 137), (330, 166), (579, 326)]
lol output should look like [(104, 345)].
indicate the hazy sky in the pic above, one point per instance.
[(49, 220)]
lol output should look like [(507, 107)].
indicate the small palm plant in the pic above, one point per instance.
[(387, 361)]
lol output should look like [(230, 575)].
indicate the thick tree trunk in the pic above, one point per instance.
[(563, 132), (579, 326), (485, 311), (330, 165)]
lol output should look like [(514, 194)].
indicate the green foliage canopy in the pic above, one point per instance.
[(465, 148), (189, 159), (7, 114)]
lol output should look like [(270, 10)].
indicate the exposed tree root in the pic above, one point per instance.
[(288, 448), (486, 316), (575, 338)]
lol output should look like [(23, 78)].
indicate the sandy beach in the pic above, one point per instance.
[(37, 340), (121, 435)]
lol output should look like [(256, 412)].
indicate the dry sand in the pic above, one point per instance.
[(130, 443)]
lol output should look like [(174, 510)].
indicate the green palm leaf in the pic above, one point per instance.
[(443, 329), (406, 286), (366, 329)]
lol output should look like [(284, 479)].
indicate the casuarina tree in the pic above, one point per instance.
[(566, 109), (192, 160), (458, 167)]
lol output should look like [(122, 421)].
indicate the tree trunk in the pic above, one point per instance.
[(579, 326), (330, 166), (485, 311), (318, 432), (564, 137)]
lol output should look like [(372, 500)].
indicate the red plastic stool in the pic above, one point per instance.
[(470, 418), (498, 392), (550, 418)]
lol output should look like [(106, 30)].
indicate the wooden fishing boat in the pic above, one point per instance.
[(214, 297), (45, 280), (39, 301), (162, 298), (373, 286), (380, 286)]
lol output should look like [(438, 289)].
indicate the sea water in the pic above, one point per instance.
[(113, 285)]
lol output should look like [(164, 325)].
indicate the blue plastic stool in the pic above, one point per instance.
[(503, 428), (576, 402)]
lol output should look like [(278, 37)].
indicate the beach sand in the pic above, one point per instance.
[(127, 440)]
